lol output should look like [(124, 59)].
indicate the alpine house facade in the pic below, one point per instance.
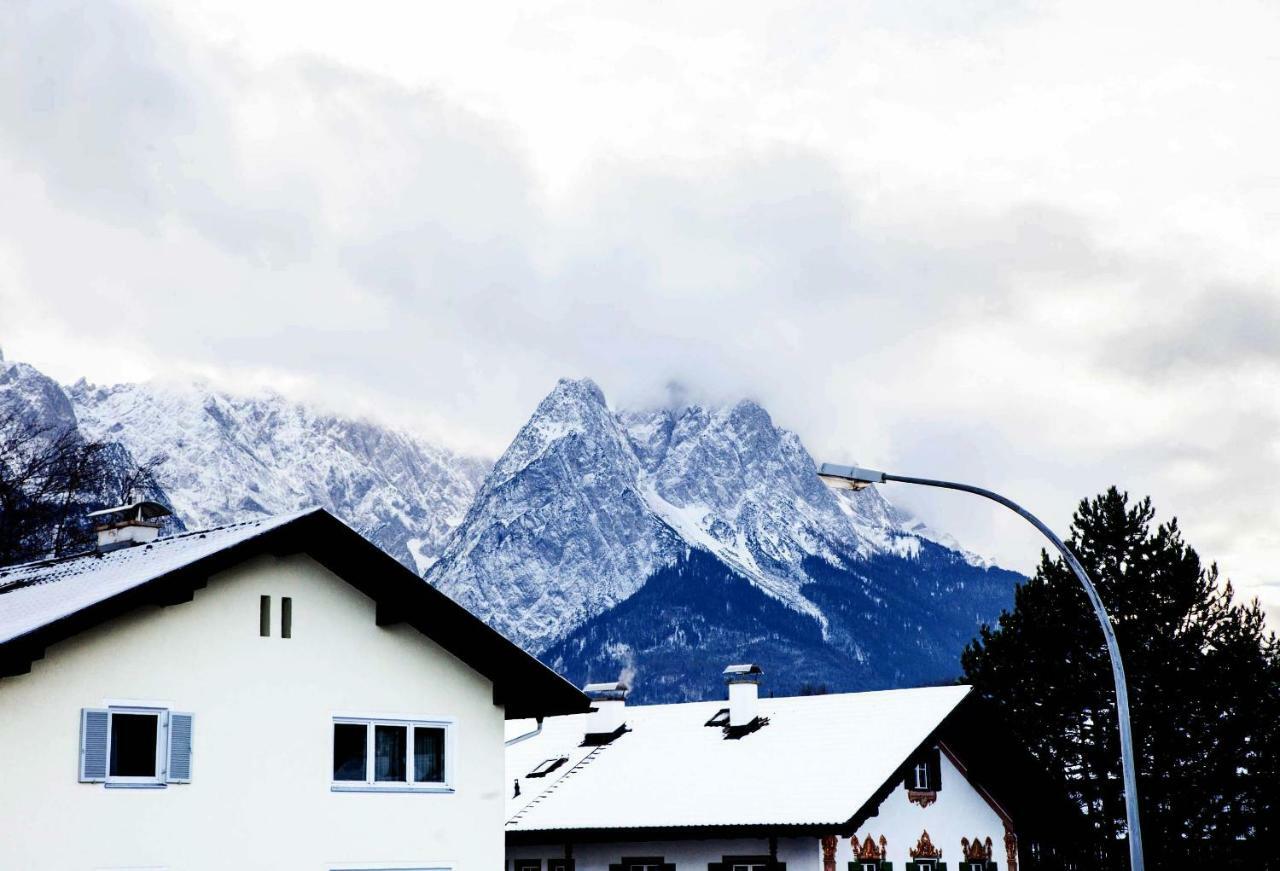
[(855, 782), (271, 695)]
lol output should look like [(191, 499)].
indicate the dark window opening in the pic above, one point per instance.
[(286, 617), (528, 865), (133, 744), (390, 750), (349, 754), (428, 754), (719, 718), (264, 616)]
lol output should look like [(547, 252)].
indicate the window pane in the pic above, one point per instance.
[(349, 753), (428, 754), (133, 745), (390, 747)]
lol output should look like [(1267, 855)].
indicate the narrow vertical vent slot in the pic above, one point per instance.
[(264, 616), (286, 617)]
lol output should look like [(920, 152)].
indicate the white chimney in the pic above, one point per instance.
[(744, 693), (608, 710), (125, 525)]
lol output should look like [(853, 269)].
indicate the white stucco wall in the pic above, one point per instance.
[(959, 812), (262, 761)]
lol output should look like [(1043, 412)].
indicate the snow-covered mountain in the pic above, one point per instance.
[(666, 542), (232, 458), (596, 529)]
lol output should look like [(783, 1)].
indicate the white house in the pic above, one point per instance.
[(270, 695), (860, 781)]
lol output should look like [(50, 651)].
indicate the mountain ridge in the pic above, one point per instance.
[(658, 540)]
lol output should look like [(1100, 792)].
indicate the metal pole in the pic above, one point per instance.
[(1113, 650)]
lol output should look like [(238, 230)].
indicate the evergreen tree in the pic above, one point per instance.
[(1204, 684)]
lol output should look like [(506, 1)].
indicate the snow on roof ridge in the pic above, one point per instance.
[(275, 520)]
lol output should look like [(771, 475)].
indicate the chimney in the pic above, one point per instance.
[(744, 692), (127, 525), (607, 717)]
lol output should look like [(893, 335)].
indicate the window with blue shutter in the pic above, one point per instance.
[(93, 745), (135, 747), (180, 747)]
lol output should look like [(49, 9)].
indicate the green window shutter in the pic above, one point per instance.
[(886, 866), (93, 745), (180, 726), (935, 771), (911, 866), (941, 866)]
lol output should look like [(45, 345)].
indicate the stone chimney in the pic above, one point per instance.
[(607, 718), (127, 525), (744, 694)]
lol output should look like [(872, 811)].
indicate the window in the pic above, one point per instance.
[(559, 865), (527, 865), (140, 747), (546, 767), (264, 616), (643, 864), (134, 745), (286, 617), (747, 863), (719, 718), (395, 755), (925, 773)]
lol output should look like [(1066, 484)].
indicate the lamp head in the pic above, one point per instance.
[(849, 477)]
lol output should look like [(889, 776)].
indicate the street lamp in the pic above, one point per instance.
[(854, 478)]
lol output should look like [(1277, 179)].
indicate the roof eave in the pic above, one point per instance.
[(523, 686)]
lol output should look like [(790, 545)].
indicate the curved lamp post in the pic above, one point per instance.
[(854, 478)]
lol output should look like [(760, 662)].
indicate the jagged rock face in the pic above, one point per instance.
[(671, 541), (34, 399), (232, 458), (560, 531)]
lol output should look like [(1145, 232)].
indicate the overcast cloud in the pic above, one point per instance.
[(1025, 244)]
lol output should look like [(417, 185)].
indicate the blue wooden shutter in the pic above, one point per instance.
[(180, 747), (93, 745)]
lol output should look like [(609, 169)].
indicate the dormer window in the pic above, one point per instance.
[(547, 766), (921, 773)]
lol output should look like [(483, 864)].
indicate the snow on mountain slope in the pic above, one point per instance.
[(233, 458), (587, 504), (560, 530)]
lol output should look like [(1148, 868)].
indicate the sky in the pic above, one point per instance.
[(1026, 245)]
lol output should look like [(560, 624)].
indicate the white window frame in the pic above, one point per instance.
[(160, 779), (369, 784), (922, 776)]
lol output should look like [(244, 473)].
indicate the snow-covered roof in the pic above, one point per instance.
[(36, 594), (826, 755), (43, 603)]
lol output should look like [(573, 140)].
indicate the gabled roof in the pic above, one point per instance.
[(819, 762), (44, 602)]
